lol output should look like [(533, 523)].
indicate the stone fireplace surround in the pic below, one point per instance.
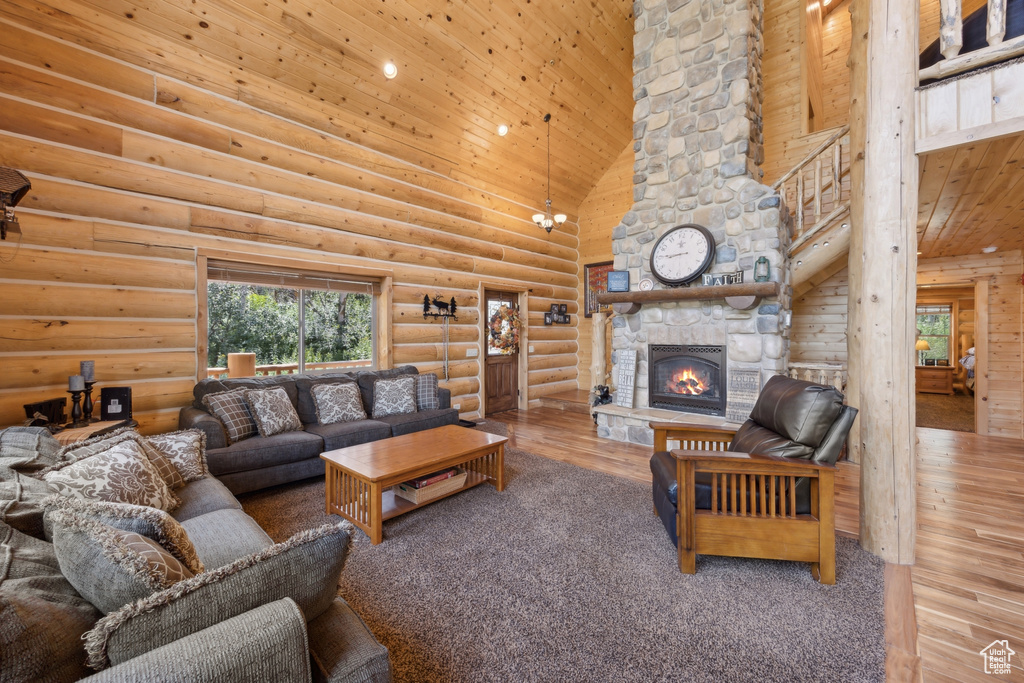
[(698, 145)]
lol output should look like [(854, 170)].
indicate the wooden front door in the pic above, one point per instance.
[(501, 364)]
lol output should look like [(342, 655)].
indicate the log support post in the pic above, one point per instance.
[(883, 267)]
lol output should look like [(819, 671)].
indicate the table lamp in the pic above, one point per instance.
[(921, 346)]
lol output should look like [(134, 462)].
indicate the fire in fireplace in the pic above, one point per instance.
[(687, 378)]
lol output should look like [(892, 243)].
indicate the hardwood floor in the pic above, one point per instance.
[(968, 582)]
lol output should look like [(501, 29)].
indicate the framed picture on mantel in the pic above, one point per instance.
[(595, 281)]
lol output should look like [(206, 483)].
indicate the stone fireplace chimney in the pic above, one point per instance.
[(698, 147)]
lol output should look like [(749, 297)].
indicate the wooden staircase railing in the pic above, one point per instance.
[(817, 189), (829, 374), (951, 39)]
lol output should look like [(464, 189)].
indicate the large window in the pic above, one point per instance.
[(934, 325), (293, 321)]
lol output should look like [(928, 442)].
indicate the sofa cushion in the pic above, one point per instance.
[(223, 536), (304, 568), (109, 567), (273, 412), (306, 406), (264, 451), (796, 410), (426, 392), (394, 396), (366, 380), (338, 403), (212, 385), (342, 648), (42, 617), (203, 496), (121, 474), (344, 434), (98, 444), (186, 450), (231, 408), (420, 420), (139, 519)]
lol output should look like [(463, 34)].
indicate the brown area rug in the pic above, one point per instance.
[(568, 576), (941, 411)]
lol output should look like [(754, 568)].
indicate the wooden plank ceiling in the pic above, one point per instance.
[(464, 67), (972, 197)]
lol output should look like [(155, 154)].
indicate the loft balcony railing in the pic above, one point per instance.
[(951, 41), (292, 368), (829, 374)]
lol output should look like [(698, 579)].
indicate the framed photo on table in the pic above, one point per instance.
[(595, 281)]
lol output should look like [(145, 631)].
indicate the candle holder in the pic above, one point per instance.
[(76, 410), (87, 403)]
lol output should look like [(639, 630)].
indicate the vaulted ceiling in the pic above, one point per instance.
[(464, 67)]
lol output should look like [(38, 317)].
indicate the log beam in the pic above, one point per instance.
[(883, 281)]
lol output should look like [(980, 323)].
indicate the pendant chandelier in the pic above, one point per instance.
[(545, 220)]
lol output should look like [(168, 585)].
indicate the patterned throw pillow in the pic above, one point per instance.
[(186, 450), (145, 521), (98, 444), (426, 392), (109, 567), (231, 409), (273, 411), (395, 396), (338, 403), (121, 474)]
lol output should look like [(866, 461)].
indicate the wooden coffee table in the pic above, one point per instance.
[(359, 477)]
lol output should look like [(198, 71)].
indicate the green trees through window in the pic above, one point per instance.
[(934, 324), (285, 326)]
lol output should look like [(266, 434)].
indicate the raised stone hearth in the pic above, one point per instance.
[(698, 145)]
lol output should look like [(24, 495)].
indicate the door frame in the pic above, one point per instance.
[(523, 301)]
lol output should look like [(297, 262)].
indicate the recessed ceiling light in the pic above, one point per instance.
[(503, 130), (919, 253), (390, 70), (989, 250)]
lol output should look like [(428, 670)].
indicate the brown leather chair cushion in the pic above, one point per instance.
[(796, 410)]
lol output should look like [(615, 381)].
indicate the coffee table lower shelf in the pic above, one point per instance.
[(393, 506)]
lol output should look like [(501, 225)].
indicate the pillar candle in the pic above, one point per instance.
[(76, 383), (88, 370)]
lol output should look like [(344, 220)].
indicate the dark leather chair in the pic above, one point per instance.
[(765, 490)]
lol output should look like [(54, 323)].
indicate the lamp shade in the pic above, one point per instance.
[(921, 345)]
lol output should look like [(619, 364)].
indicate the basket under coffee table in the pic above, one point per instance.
[(359, 478)]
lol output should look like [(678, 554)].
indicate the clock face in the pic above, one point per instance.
[(682, 254)]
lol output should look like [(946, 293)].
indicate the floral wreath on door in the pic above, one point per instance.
[(504, 330)]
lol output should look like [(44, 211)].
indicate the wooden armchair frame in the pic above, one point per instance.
[(748, 517)]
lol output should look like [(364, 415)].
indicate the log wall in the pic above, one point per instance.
[(600, 212), (818, 334), (137, 167)]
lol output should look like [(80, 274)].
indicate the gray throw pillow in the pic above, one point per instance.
[(98, 444), (426, 392), (186, 450), (338, 403), (304, 568), (232, 410), (42, 617), (273, 411), (154, 524), (109, 567), (120, 474), (395, 396)]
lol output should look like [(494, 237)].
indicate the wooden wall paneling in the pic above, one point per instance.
[(818, 334), (602, 210), (812, 106), (835, 70)]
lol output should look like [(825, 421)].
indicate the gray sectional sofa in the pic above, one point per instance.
[(259, 611), (258, 462)]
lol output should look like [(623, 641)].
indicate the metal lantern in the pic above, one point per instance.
[(762, 270)]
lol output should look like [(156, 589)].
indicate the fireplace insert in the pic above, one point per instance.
[(687, 378)]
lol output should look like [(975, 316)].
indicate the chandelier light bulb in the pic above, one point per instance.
[(390, 70)]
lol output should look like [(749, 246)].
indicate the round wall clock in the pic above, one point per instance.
[(682, 254)]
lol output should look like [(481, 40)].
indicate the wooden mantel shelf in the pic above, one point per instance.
[(757, 289)]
